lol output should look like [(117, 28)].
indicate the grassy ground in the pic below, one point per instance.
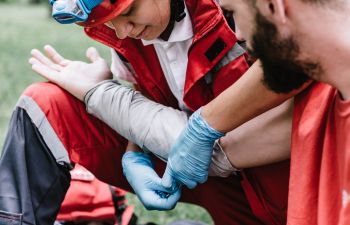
[(24, 27)]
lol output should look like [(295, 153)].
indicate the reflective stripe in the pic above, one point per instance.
[(47, 132), (235, 52)]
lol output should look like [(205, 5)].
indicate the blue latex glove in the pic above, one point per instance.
[(190, 156), (138, 170)]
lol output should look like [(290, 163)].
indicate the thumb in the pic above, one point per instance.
[(168, 181), (92, 54)]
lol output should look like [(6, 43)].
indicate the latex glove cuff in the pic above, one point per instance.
[(201, 130)]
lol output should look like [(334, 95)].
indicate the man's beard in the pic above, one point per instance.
[(283, 72)]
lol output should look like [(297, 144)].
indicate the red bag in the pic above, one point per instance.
[(89, 199)]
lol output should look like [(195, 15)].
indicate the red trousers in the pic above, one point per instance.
[(258, 196)]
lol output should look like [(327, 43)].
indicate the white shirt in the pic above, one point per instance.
[(172, 55)]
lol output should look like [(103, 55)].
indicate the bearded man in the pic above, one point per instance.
[(298, 41)]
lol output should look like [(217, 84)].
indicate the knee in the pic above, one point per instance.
[(50, 95), (43, 90)]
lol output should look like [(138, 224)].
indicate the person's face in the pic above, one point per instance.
[(143, 19), (283, 70), (243, 17)]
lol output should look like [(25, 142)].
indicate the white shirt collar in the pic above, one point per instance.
[(182, 31)]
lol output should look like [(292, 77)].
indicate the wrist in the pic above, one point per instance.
[(136, 158), (210, 116), (202, 128), (131, 147)]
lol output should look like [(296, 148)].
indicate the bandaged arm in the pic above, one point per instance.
[(155, 127), (146, 123)]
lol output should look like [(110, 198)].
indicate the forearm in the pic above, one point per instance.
[(263, 140), (244, 100), (146, 123), (153, 126), (132, 147)]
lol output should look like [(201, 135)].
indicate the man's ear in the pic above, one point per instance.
[(273, 10)]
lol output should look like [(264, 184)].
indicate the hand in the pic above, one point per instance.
[(138, 169), (190, 156), (74, 76)]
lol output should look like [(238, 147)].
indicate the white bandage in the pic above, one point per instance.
[(220, 166)]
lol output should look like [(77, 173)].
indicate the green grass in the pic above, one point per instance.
[(24, 27), (181, 211)]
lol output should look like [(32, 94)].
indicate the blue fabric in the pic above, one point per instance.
[(90, 4), (190, 156), (65, 12)]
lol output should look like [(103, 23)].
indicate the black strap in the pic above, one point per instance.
[(177, 13), (177, 8), (229, 19)]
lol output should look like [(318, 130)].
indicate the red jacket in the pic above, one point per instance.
[(214, 43), (213, 39)]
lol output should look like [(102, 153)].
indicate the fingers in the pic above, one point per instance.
[(171, 184), (167, 203), (92, 54), (164, 191), (44, 60), (157, 198), (173, 199), (55, 56), (190, 184), (43, 70), (167, 180), (152, 201)]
